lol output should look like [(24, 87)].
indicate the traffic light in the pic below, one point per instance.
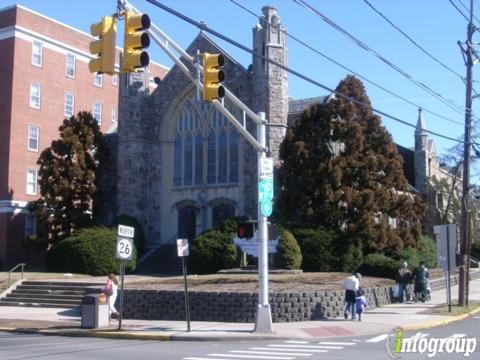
[(245, 230), (135, 41), (104, 47), (213, 76)]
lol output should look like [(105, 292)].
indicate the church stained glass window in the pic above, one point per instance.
[(205, 147)]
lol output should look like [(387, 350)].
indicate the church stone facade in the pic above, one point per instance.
[(179, 167)]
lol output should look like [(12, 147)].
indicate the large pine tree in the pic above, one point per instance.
[(67, 180), (340, 169)]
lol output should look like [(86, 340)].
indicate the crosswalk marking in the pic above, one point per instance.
[(297, 350), (296, 342), (377, 338), (253, 357), (198, 358), (336, 343), (267, 353), (308, 346)]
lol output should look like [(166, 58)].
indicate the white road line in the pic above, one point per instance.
[(308, 346), (267, 353), (336, 343), (296, 342), (377, 338), (477, 317), (458, 335), (197, 358), (297, 350), (253, 357), (357, 341)]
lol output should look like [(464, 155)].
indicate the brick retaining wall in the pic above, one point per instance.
[(241, 307)]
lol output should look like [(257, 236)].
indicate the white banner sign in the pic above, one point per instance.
[(250, 246), (182, 247), (126, 231)]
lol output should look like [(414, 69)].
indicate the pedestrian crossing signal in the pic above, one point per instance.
[(245, 230)]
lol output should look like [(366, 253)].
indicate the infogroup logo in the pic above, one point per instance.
[(397, 344)]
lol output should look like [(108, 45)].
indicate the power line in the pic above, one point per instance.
[(345, 67), (460, 11), (205, 28), (466, 8), (413, 41), (450, 103)]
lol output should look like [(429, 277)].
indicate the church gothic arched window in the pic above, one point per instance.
[(205, 147)]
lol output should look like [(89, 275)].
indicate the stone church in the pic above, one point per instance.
[(180, 167)]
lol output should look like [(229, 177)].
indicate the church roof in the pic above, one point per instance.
[(296, 106)]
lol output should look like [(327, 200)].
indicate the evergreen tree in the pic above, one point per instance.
[(340, 169), (67, 180)]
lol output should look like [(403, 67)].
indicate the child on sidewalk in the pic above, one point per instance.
[(360, 304)]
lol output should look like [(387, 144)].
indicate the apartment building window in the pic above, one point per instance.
[(97, 112), (70, 65), (33, 135), (32, 182), (69, 105), (30, 225), (37, 52), (35, 93), (98, 80), (114, 114), (115, 79)]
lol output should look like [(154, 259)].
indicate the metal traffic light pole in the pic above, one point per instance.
[(263, 322)]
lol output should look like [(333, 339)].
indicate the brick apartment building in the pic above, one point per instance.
[(44, 78)]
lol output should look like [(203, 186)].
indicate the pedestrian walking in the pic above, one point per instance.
[(351, 284), (361, 303), (403, 279), (421, 282), (111, 291)]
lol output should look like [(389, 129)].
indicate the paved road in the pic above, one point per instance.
[(30, 346)]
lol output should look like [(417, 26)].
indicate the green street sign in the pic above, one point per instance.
[(266, 208), (265, 190)]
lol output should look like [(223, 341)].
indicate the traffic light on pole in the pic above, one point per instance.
[(213, 75), (245, 230), (104, 47), (135, 41)]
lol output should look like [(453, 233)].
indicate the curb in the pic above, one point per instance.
[(442, 322)]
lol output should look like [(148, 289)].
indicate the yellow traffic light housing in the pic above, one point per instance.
[(135, 41), (104, 47), (213, 75)]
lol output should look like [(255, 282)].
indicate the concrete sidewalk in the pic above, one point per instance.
[(383, 320)]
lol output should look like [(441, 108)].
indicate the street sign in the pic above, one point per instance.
[(265, 190), (266, 208), (126, 231), (124, 248), (266, 168), (446, 245), (182, 247)]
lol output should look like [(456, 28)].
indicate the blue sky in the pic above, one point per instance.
[(434, 24)]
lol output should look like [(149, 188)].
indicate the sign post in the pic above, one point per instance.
[(263, 318), (124, 252), (182, 249), (446, 241)]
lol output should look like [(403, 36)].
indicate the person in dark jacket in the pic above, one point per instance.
[(421, 282)]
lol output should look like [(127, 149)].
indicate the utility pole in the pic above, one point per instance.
[(463, 281)]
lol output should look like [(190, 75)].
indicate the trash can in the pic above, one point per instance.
[(94, 312)]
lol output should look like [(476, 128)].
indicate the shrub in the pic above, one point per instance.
[(211, 251), (139, 238), (427, 251), (411, 256), (318, 249), (351, 255), (289, 255), (89, 251), (379, 265)]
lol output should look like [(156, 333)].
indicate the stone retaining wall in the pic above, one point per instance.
[(241, 307)]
